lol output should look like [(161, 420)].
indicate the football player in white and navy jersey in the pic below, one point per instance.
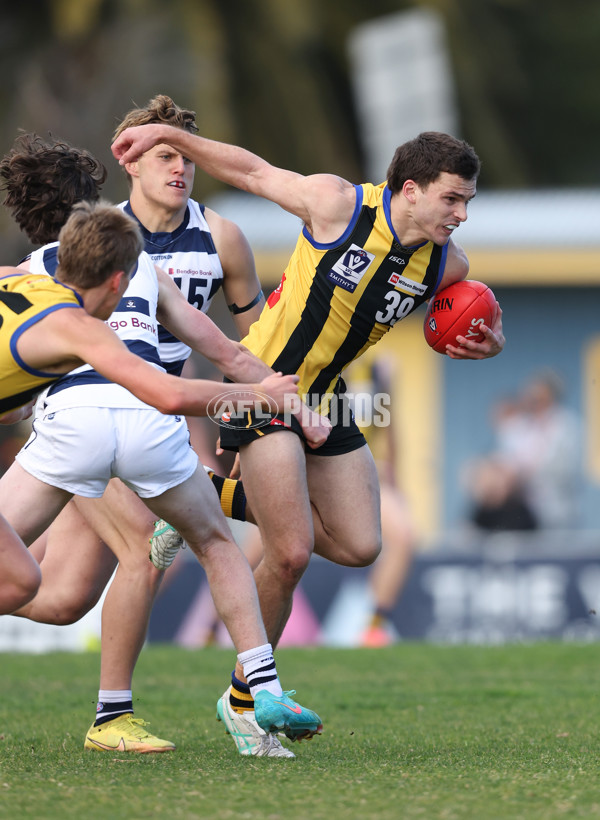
[(199, 249), (188, 254)]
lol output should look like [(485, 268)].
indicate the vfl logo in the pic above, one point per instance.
[(356, 260), (351, 267)]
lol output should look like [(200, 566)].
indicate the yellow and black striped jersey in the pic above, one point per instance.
[(336, 300), (24, 300)]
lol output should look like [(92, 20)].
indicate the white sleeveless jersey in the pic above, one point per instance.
[(189, 256), (134, 321)]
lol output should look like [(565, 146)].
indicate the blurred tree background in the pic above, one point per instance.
[(273, 76)]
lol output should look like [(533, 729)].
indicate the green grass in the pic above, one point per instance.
[(414, 731)]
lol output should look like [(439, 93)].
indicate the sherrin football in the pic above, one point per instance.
[(458, 310)]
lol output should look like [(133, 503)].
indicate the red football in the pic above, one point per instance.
[(458, 310)]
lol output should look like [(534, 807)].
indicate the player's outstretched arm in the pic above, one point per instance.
[(324, 202), (69, 337), (229, 163)]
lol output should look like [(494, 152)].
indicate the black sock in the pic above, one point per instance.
[(231, 495), (109, 711), (240, 698)]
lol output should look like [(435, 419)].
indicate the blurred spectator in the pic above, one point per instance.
[(498, 499), (542, 441), (532, 479)]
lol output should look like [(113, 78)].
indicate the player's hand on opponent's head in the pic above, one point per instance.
[(492, 344), (135, 141)]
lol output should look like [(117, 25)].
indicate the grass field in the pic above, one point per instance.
[(414, 731)]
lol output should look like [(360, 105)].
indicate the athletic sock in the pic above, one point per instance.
[(259, 670), (231, 495), (112, 703), (240, 698)]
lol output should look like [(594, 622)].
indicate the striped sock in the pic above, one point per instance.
[(240, 698), (259, 670), (231, 495), (112, 703)]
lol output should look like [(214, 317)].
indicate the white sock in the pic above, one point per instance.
[(114, 695), (259, 670)]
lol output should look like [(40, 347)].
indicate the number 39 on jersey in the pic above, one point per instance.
[(398, 306)]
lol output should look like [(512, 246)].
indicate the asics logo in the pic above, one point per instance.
[(296, 709)]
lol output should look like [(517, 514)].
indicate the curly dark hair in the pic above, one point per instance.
[(43, 180)]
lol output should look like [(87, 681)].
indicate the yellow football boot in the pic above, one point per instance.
[(125, 734)]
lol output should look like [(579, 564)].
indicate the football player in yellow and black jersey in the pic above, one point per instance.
[(367, 256), (47, 327)]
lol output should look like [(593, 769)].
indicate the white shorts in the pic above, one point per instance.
[(80, 449)]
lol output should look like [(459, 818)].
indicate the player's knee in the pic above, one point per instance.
[(16, 593), (290, 573), (368, 553), (69, 613), (361, 553), (138, 569), (65, 611), (289, 565)]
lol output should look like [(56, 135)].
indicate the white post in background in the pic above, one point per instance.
[(403, 84)]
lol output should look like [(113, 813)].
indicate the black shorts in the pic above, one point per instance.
[(345, 435)]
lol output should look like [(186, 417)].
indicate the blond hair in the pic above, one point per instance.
[(160, 109)]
